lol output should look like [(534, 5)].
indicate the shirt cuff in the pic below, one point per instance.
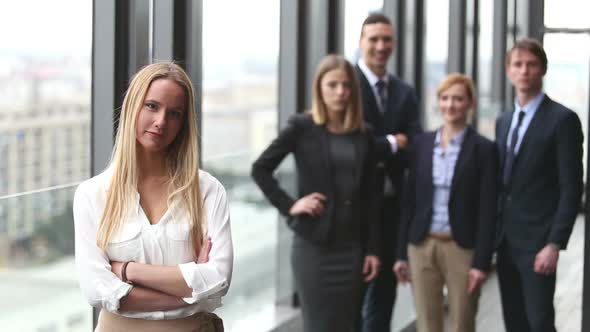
[(112, 302), (202, 280), (392, 142)]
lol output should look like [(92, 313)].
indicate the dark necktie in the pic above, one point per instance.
[(382, 91), (511, 155)]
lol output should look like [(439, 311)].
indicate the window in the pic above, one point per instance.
[(436, 41), (45, 66), (487, 108), (239, 119), (567, 82), (355, 14), (567, 75), (567, 14)]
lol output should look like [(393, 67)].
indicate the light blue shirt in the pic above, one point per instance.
[(443, 169), (529, 112)]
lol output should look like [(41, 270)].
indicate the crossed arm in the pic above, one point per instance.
[(156, 287)]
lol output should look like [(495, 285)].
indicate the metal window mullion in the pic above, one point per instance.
[(586, 278), (337, 14), (110, 67), (291, 99), (457, 32), (139, 35), (163, 30), (317, 39), (192, 57), (394, 10), (499, 41)]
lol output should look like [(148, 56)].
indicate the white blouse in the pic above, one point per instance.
[(165, 243)]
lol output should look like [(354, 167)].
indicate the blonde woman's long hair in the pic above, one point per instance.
[(353, 120), (182, 158)]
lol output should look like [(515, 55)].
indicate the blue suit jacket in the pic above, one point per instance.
[(540, 204), (472, 202), (400, 116)]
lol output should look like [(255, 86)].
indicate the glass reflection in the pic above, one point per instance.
[(436, 41), (573, 68), (37, 270), (239, 119), (355, 13), (45, 80), (567, 13), (487, 108)]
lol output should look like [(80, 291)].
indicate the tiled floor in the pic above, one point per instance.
[(568, 294)]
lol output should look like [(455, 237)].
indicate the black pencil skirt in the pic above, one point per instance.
[(329, 282)]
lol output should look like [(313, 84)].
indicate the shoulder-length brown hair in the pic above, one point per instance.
[(353, 120)]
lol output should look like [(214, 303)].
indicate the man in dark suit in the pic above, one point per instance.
[(540, 148), (391, 107)]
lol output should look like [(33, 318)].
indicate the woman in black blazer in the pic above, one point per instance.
[(448, 217), (334, 216)]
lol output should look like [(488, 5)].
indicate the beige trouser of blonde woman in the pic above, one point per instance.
[(435, 262), (199, 322)]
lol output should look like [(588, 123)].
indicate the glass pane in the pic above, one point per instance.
[(45, 80), (44, 94), (567, 14), (436, 41), (567, 82), (488, 108), (38, 280), (239, 120), (568, 74), (355, 13)]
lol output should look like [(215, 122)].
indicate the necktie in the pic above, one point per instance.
[(511, 155), (382, 91)]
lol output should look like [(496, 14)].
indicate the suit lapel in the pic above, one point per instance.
[(390, 114), (504, 128), (371, 108), (426, 158), (467, 148)]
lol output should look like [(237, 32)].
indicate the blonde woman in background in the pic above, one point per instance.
[(449, 213), (153, 241)]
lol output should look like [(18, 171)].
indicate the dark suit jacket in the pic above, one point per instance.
[(540, 204), (472, 202), (401, 116), (310, 146)]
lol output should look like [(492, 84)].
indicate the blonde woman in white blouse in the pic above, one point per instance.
[(153, 240)]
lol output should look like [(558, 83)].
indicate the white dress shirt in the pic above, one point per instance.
[(165, 243), (529, 112), (373, 79)]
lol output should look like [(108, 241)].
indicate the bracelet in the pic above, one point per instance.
[(124, 273)]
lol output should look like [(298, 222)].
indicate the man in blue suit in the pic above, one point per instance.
[(391, 107), (540, 149)]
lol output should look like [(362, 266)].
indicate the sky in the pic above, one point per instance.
[(31, 27), (249, 28)]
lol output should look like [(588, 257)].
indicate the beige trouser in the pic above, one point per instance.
[(199, 322), (435, 262)]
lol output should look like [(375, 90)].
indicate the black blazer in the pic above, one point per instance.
[(401, 116), (472, 202), (540, 204), (309, 144)]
